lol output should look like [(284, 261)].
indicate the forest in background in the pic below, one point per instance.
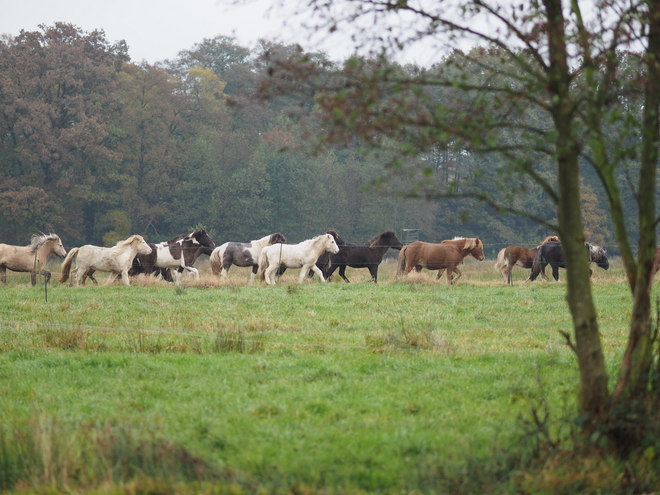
[(95, 148)]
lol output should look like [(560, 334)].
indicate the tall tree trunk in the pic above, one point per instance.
[(634, 375), (591, 362)]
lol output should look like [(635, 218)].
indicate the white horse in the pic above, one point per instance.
[(117, 260), (241, 254), (303, 256)]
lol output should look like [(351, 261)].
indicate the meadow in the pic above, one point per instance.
[(408, 386)]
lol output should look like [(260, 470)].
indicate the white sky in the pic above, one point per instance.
[(158, 29)]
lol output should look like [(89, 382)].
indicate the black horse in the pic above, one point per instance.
[(551, 253), (368, 255)]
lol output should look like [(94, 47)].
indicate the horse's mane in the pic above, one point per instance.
[(376, 240), (128, 241), (551, 238), (596, 253), (38, 240), (470, 242)]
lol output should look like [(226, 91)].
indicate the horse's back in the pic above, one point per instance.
[(433, 256), (16, 258)]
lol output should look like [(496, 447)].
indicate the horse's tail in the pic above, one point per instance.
[(537, 264), (401, 265), (263, 263), (215, 261), (502, 260), (66, 265)]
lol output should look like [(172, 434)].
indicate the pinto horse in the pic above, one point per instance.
[(177, 254), (368, 255), (551, 253), (444, 256), (303, 255), (511, 256), (241, 254), (116, 260), (30, 258)]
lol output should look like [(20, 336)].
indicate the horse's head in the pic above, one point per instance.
[(330, 244), (277, 238), (203, 238), (387, 238), (476, 248), (598, 255), (141, 244), (56, 245), (335, 235)]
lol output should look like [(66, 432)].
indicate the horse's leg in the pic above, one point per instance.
[(269, 274), (555, 272), (330, 271), (450, 273), (342, 274), (3, 274), (33, 278), (193, 270), (46, 274), (440, 272), (125, 278), (373, 270), (318, 271)]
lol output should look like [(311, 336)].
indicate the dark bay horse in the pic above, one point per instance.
[(241, 254), (368, 255), (551, 253), (444, 256), (511, 256)]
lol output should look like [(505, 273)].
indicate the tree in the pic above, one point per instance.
[(56, 91), (547, 82)]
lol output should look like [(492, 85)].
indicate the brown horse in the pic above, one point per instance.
[(511, 256), (31, 258), (444, 256)]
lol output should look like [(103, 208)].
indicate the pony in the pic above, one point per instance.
[(177, 254), (303, 255), (117, 259), (241, 254), (551, 253), (513, 255), (444, 256), (30, 258), (368, 255)]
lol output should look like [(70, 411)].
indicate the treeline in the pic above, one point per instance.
[(96, 147)]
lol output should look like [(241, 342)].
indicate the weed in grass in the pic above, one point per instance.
[(62, 338), (236, 341), (44, 452)]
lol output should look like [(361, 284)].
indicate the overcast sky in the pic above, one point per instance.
[(158, 29)]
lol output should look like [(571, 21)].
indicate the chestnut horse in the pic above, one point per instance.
[(444, 256), (511, 256), (30, 258)]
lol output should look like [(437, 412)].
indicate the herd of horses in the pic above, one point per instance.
[(270, 256)]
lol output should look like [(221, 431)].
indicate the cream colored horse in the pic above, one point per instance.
[(303, 255), (117, 260), (31, 258)]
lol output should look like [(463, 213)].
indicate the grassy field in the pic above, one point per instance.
[(340, 388)]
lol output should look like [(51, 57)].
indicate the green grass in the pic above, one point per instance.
[(337, 387)]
